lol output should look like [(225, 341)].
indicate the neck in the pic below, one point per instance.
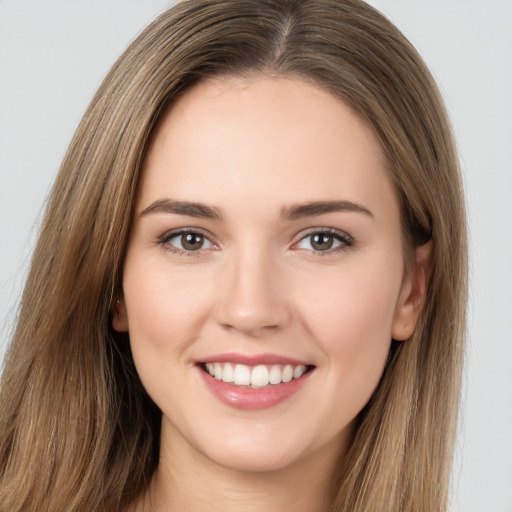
[(187, 480)]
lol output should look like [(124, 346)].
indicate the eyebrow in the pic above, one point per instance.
[(293, 212), (188, 208), (313, 208)]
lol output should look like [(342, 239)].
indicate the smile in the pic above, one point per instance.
[(255, 376), (253, 382)]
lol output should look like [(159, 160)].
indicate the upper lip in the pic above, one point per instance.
[(253, 359)]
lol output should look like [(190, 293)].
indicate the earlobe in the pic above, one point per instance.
[(120, 316), (413, 294)]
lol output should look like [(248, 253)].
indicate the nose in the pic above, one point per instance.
[(252, 295)]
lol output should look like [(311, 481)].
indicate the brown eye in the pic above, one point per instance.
[(322, 241), (325, 241), (186, 241), (192, 241)]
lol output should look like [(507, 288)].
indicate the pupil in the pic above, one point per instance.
[(192, 241), (322, 242)]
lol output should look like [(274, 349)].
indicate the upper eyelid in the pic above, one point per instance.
[(168, 235), (327, 230)]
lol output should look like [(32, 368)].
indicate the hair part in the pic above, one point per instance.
[(77, 429)]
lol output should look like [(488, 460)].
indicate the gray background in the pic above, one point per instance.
[(53, 55)]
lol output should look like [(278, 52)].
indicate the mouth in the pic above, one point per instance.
[(254, 382), (255, 376)]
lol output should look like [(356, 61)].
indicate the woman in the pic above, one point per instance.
[(249, 287)]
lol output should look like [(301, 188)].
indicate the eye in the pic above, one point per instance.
[(327, 241), (186, 241)]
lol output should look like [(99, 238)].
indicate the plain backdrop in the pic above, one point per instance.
[(53, 55)]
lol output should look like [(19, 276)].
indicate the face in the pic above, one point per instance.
[(264, 275)]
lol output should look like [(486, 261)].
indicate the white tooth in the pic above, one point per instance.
[(299, 371), (228, 373), (275, 374), (210, 368), (287, 373), (259, 376), (217, 371), (242, 376)]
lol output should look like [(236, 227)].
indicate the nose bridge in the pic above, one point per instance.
[(252, 297)]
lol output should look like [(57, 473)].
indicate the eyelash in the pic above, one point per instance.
[(165, 239), (345, 241)]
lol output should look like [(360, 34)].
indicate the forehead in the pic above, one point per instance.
[(230, 140)]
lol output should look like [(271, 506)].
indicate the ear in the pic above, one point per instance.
[(413, 293), (120, 316)]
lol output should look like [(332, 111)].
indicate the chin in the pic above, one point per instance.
[(255, 459)]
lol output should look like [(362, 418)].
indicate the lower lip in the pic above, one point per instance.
[(249, 398)]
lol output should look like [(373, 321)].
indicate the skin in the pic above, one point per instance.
[(251, 149)]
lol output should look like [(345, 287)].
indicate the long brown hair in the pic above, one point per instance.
[(77, 430)]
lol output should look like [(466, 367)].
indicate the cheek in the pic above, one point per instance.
[(350, 317), (166, 313), (347, 303), (166, 309)]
